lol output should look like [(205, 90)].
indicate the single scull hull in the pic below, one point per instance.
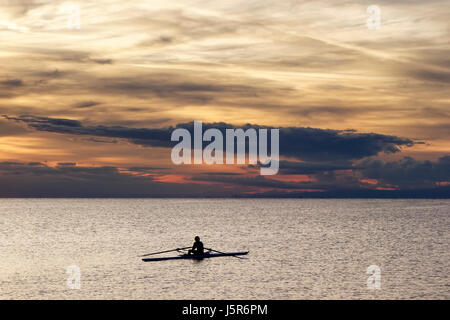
[(197, 257)]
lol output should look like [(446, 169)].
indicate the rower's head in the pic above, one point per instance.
[(197, 238)]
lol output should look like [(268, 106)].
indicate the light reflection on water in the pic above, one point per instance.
[(299, 248)]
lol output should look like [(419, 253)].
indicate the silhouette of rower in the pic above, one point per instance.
[(197, 247)]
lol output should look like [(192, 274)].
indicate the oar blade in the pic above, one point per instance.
[(235, 256), (159, 252)]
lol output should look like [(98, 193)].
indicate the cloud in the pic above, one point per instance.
[(40, 123), (101, 61), (200, 88), (34, 179), (303, 143), (86, 104), (295, 167), (162, 40), (408, 173), (67, 164), (56, 73), (10, 87), (251, 181), (403, 178), (20, 7), (323, 144), (11, 129), (67, 55), (12, 83), (67, 179), (442, 76)]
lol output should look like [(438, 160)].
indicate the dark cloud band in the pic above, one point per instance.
[(310, 144)]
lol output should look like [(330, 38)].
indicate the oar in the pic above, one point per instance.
[(150, 254), (226, 253)]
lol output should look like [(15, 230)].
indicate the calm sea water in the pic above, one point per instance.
[(299, 248)]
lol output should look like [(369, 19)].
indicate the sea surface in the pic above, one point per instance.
[(299, 248)]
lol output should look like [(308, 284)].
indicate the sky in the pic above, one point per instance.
[(91, 90)]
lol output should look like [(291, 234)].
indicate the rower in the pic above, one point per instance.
[(197, 247)]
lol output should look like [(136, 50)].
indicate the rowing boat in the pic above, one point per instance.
[(198, 257)]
